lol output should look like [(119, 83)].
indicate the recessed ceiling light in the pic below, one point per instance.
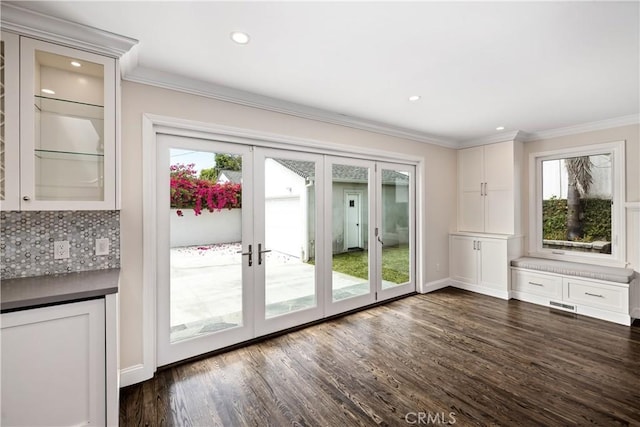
[(240, 37), (500, 128), (48, 91), (76, 64), (414, 98)]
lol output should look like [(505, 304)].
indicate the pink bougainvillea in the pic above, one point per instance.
[(190, 192)]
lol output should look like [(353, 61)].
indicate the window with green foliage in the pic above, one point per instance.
[(578, 201)]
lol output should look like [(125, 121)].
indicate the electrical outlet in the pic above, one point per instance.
[(102, 246), (61, 249), (437, 266)]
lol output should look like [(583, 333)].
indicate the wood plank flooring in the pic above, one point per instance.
[(448, 356)]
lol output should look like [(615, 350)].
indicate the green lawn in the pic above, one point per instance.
[(395, 264)]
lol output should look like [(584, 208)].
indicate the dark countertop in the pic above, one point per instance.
[(31, 292)]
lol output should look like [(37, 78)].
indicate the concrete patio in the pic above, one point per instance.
[(206, 293)]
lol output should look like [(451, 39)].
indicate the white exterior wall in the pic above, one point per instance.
[(555, 178), (208, 228)]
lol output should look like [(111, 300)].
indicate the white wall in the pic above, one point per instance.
[(630, 134), (438, 184), (208, 228)]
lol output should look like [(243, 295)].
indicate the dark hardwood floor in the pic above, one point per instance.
[(442, 357)]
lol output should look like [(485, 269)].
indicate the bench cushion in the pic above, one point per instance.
[(589, 271)]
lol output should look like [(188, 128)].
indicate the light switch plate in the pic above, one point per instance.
[(61, 249), (102, 246)]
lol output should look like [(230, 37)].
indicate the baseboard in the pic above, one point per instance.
[(481, 290), (134, 374), (619, 318), (435, 285), (635, 314)]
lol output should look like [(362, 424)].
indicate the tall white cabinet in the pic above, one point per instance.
[(488, 188), (489, 230)]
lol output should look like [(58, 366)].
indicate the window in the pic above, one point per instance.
[(578, 203)]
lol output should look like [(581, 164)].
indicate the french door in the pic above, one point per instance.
[(287, 221), (370, 239), (292, 237), (205, 280)]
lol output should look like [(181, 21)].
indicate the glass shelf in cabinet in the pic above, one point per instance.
[(64, 107), (68, 155)]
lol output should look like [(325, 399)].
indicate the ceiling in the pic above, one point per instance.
[(530, 66)]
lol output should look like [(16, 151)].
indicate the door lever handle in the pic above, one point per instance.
[(250, 253), (260, 252), (380, 240)]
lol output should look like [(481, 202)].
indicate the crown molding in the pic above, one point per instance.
[(632, 119), (519, 135), (40, 26), (516, 135), (179, 83)]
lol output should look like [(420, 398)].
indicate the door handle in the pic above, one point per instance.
[(260, 252), (481, 189), (380, 240), (250, 253), (474, 245)]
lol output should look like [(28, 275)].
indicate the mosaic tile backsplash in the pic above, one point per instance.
[(26, 241)]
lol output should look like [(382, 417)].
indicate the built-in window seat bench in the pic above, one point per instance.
[(607, 293)]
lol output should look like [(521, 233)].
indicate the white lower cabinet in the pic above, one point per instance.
[(612, 301), (536, 284), (480, 262), (54, 366)]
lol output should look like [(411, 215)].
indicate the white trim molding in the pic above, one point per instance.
[(632, 119), (517, 135), (40, 26), (633, 232), (133, 375), (183, 84), (435, 285)]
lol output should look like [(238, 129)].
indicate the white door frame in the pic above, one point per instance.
[(152, 125)]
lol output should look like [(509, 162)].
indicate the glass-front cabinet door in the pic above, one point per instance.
[(67, 124), (9, 122)]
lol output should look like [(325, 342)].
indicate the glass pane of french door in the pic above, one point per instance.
[(286, 226), (350, 219), (203, 219), (395, 210)]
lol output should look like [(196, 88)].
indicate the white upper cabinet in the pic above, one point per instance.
[(67, 128), (488, 188)]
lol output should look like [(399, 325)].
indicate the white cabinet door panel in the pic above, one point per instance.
[(499, 211), (464, 259), (471, 214), (498, 166), (53, 365), (470, 165), (493, 264)]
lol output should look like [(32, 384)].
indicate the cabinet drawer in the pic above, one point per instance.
[(537, 284), (597, 295)]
